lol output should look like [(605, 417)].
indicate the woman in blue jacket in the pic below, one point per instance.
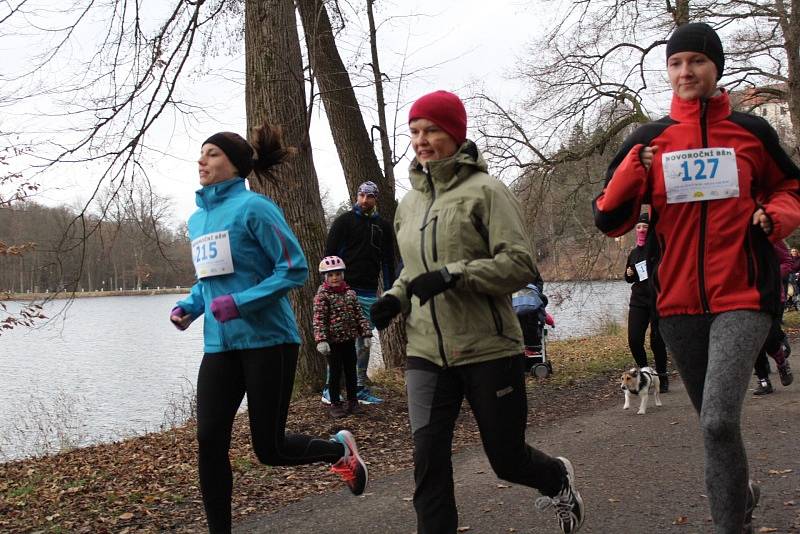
[(246, 260)]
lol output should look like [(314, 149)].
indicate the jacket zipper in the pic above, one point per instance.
[(498, 320), (220, 326), (439, 339), (433, 240), (748, 252), (701, 244)]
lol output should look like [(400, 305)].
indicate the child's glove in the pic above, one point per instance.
[(384, 310), (367, 342), (323, 348), (224, 308)]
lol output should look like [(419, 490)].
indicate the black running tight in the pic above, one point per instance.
[(638, 320), (267, 376)]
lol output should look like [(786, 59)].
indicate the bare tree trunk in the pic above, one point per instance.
[(680, 12), (275, 92), (790, 26), (393, 340), (350, 134), (386, 147), (344, 114)]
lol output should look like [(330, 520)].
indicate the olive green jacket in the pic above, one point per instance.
[(458, 216)]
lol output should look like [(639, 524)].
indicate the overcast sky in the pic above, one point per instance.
[(458, 42)]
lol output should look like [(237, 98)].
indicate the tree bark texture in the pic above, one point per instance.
[(790, 26), (393, 339), (275, 92), (350, 134)]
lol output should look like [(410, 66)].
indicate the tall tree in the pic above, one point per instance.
[(353, 144), (274, 91)]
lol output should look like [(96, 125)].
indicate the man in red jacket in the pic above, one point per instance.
[(720, 190)]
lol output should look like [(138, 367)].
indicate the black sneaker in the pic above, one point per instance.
[(753, 494), (351, 467), (567, 503), (786, 373), (764, 387)]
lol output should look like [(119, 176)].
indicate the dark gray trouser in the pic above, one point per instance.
[(496, 392), (714, 355)]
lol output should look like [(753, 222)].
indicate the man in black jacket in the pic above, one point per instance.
[(365, 242)]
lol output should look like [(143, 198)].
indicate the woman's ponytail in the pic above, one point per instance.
[(267, 141)]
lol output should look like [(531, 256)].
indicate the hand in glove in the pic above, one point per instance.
[(224, 308), (323, 348), (180, 318), (428, 285), (384, 310)]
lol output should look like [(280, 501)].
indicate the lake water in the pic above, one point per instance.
[(106, 368)]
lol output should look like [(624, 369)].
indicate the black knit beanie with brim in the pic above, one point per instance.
[(698, 37), (236, 148), (644, 217)]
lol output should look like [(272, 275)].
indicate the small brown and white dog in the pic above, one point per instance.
[(640, 382)]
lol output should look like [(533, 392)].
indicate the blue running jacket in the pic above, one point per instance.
[(267, 263)]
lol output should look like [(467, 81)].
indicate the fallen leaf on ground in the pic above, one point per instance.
[(680, 520), (779, 471)]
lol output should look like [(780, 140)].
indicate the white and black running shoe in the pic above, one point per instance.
[(567, 503)]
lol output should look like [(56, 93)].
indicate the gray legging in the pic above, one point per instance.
[(714, 355)]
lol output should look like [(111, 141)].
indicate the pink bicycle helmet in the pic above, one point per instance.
[(331, 263)]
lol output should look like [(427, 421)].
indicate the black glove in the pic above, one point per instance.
[(384, 310), (428, 285)]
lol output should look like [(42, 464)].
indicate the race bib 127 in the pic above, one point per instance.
[(211, 254), (700, 174)]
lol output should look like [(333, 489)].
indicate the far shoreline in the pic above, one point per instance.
[(64, 295), (38, 297)]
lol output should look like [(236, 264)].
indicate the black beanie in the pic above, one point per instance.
[(236, 148), (644, 217), (698, 37)]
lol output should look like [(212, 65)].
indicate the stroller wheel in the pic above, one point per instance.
[(540, 370)]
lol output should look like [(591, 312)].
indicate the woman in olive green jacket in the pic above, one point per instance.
[(464, 251)]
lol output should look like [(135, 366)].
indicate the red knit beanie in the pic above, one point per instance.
[(443, 109)]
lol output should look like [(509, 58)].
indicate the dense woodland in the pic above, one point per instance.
[(118, 254)]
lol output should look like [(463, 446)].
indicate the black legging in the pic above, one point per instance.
[(771, 346), (638, 319), (342, 361), (267, 376)]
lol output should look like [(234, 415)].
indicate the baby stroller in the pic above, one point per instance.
[(529, 305)]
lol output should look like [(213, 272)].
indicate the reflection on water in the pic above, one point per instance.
[(110, 367), (113, 364)]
